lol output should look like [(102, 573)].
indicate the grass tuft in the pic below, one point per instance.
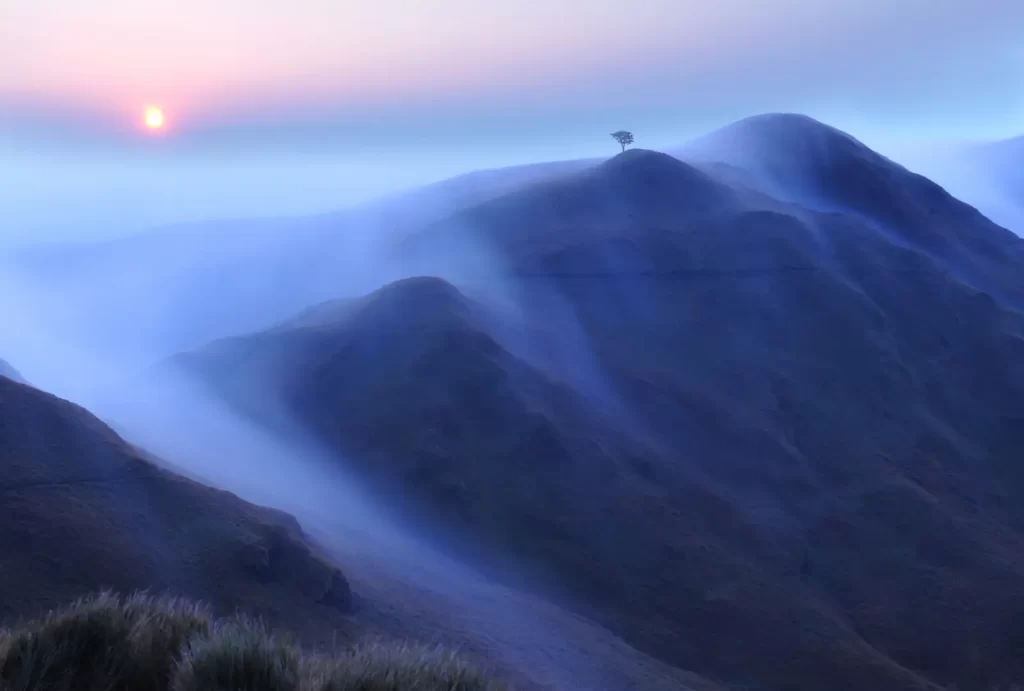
[(139, 642), (239, 655), (399, 668), (103, 642)]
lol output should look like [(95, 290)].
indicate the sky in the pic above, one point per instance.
[(288, 106)]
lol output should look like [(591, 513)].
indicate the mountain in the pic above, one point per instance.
[(811, 164), (83, 510), (152, 294), (7, 371), (591, 217), (770, 442)]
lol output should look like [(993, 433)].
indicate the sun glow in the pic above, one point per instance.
[(153, 118)]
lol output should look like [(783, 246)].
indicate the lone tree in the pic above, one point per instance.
[(623, 137)]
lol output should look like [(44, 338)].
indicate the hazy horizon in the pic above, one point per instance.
[(274, 109)]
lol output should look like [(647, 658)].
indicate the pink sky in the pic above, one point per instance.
[(203, 59), (282, 106)]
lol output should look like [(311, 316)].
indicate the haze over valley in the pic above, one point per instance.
[(432, 375)]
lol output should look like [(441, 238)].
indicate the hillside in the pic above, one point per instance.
[(587, 221), (811, 164), (774, 444), (83, 510), (178, 287), (7, 371), (988, 175)]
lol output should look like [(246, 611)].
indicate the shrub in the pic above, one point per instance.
[(239, 656)]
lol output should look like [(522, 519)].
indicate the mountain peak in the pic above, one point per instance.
[(648, 163), (652, 180), (791, 121), (779, 139), (633, 156), (416, 299), (420, 301)]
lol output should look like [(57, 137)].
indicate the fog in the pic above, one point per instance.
[(91, 317), (78, 197), (986, 175), (97, 322), (92, 304), (94, 307)]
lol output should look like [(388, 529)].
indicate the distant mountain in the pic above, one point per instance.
[(762, 422), (178, 287), (7, 371), (81, 510), (811, 164)]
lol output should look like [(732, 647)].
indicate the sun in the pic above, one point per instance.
[(154, 119)]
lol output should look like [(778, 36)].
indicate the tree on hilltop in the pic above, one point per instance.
[(623, 137)]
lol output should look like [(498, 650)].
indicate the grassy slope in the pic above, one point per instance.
[(82, 510), (139, 642)]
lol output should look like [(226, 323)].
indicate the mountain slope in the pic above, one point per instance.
[(770, 443), (491, 413), (7, 371), (808, 163), (589, 219), (156, 293), (82, 510), (987, 175)]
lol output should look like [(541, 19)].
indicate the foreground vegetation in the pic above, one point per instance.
[(109, 643)]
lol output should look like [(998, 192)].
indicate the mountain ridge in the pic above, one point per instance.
[(707, 448), (82, 510), (766, 433)]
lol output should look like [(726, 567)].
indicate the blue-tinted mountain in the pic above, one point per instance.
[(7, 371), (82, 510), (992, 174), (179, 287), (773, 443), (811, 164)]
